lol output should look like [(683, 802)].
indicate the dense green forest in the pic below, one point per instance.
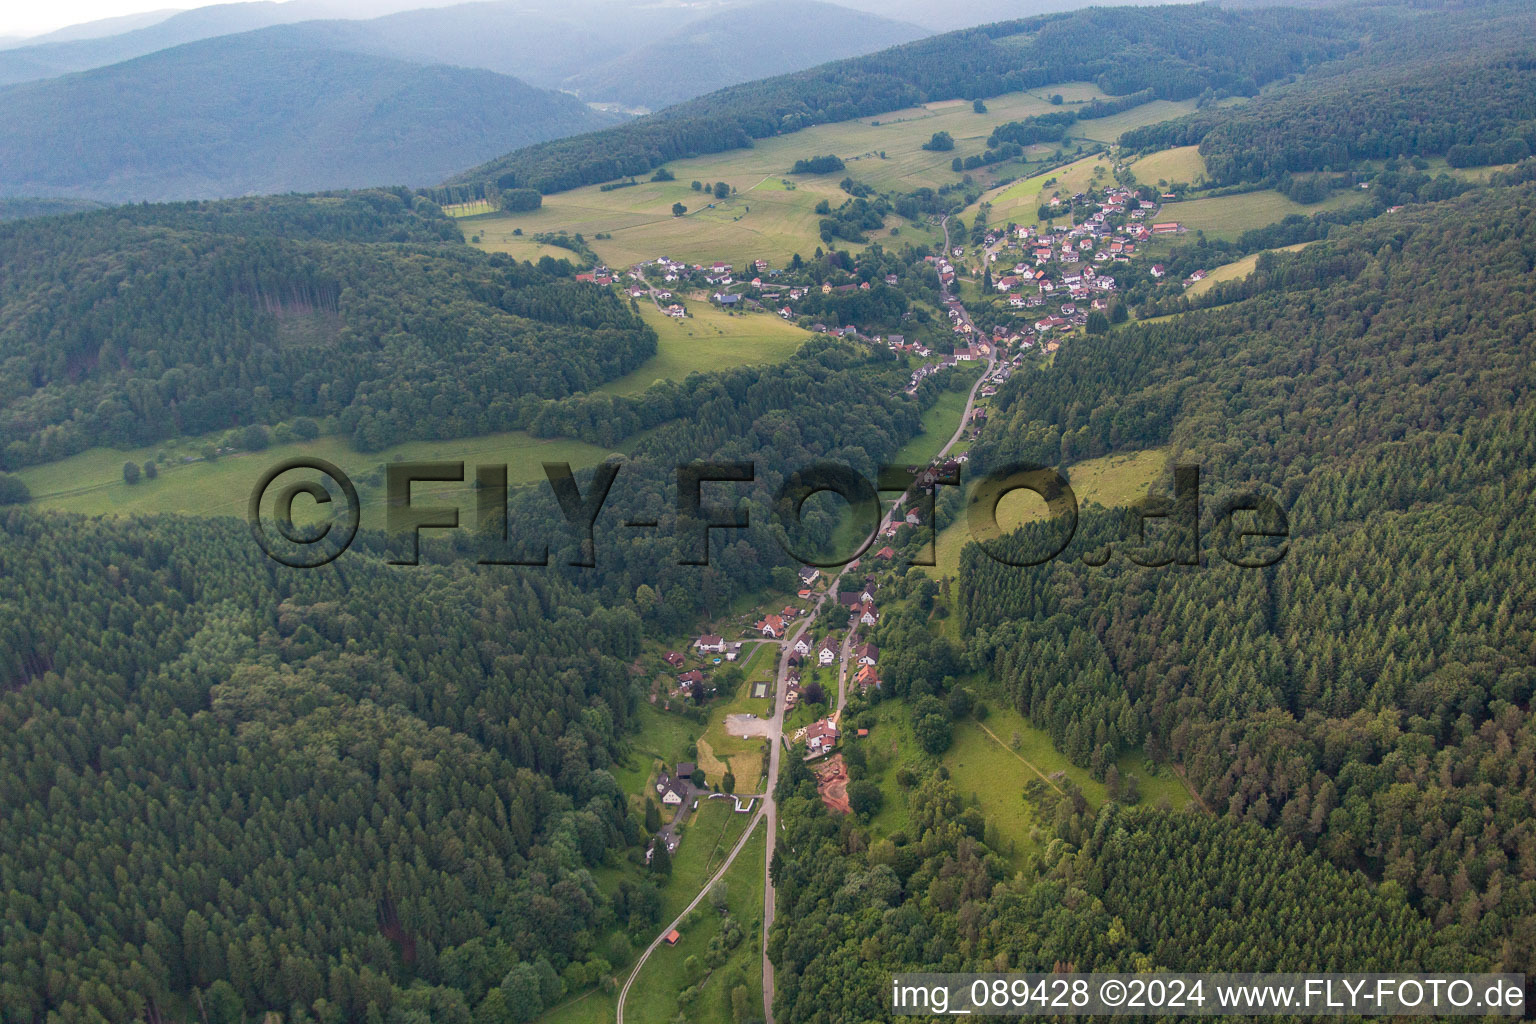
[(369, 792), (1174, 52), (1473, 111), (1365, 697), (124, 327), (1116, 890), (338, 792)]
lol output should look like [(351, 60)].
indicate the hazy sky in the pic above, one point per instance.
[(17, 19)]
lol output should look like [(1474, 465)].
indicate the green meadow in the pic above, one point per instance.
[(654, 997), (707, 340), (940, 419), (1236, 270), (1229, 216), (1113, 481), (91, 483), (1181, 164), (765, 217)]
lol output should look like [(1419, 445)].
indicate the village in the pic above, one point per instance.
[(1034, 286)]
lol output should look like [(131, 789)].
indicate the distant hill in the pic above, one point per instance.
[(81, 47), (24, 207), (605, 49), (1173, 53), (253, 113), (543, 44), (736, 46), (95, 29)]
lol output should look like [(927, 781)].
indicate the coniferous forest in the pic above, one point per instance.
[(376, 793)]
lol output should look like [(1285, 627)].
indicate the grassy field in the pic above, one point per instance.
[(993, 762), (1236, 270), (1183, 163), (939, 420), (1020, 201), (662, 740), (1109, 129), (710, 339), (707, 838), (91, 483), (1229, 216), (495, 234), (653, 1000), (767, 218), (1112, 481)]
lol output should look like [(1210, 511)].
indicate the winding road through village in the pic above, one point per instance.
[(777, 745)]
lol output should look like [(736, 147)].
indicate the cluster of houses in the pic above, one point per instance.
[(694, 682)]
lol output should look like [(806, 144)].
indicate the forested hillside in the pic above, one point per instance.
[(737, 45), (283, 787), (1474, 111), (123, 328), (1176, 52), (1118, 890), (1366, 696), (262, 113)]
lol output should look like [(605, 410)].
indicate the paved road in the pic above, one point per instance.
[(769, 810), (769, 805)]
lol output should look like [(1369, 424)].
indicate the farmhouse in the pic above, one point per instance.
[(672, 789), (772, 626)]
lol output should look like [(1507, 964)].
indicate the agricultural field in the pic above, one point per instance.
[(1229, 216), (91, 483), (1181, 164), (771, 214), (1235, 271), (1109, 129), (1112, 481), (709, 339)]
